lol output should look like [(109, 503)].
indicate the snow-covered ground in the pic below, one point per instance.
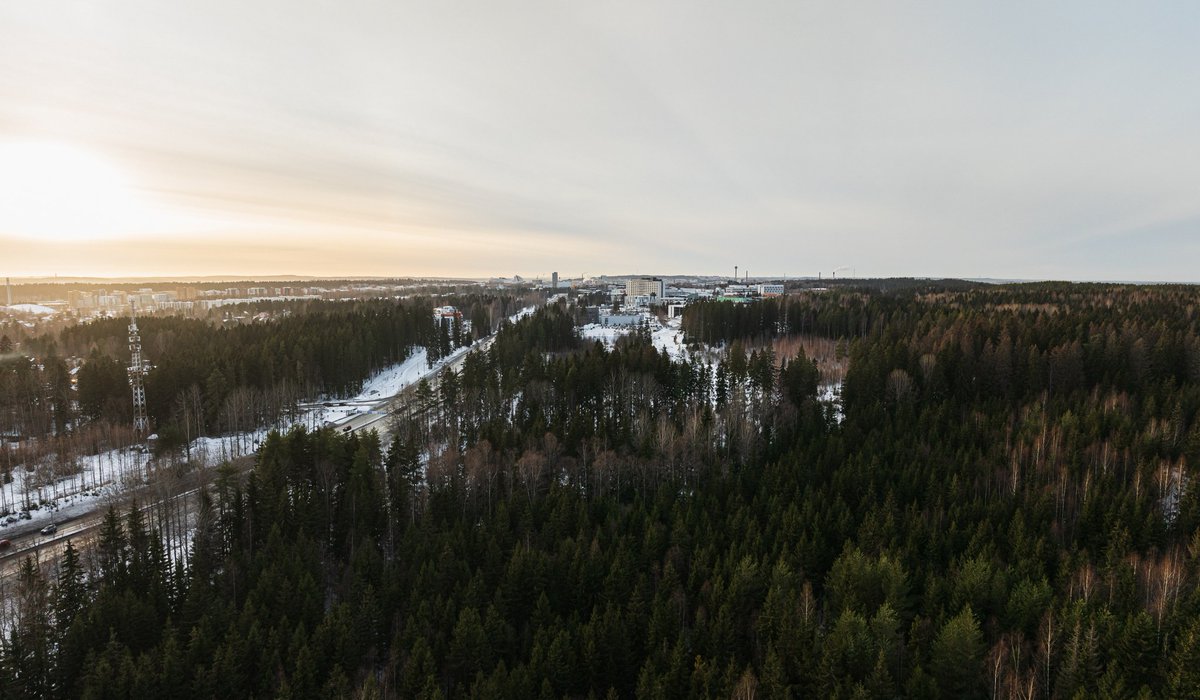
[(35, 309), (105, 475), (669, 338), (390, 381), (1173, 485), (522, 314), (100, 476), (832, 394), (108, 473), (382, 385), (605, 334)]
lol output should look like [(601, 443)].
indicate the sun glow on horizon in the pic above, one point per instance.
[(56, 192)]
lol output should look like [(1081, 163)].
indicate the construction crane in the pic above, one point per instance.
[(138, 368)]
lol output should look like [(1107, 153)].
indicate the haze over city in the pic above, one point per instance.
[(1004, 140)]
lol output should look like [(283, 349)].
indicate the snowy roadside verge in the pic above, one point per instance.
[(100, 477)]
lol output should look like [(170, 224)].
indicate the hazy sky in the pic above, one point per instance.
[(999, 139)]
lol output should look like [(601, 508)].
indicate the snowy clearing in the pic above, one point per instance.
[(36, 309), (605, 334), (669, 338), (521, 314)]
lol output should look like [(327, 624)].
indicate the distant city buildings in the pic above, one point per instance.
[(449, 313), (622, 298), (87, 303)]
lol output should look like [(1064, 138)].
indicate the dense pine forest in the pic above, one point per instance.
[(212, 378), (1002, 505)]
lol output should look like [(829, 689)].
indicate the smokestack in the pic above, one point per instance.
[(735, 273)]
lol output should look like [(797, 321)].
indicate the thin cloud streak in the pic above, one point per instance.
[(931, 138)]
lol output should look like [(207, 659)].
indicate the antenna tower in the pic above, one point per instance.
[(138, 368)]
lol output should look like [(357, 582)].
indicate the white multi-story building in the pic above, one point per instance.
[(645, 287), (770, 290), (620, 320)]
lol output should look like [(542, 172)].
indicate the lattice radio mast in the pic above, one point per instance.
[(138, 368)]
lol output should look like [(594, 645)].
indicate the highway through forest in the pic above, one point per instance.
[(83, 529), (379, 412), (25, 536)]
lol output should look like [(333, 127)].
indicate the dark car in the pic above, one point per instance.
[(5, 544), (50, 529)]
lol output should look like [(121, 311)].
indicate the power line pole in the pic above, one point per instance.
[(138, 368)]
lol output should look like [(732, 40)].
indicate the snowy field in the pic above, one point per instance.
[(382, 386), (522, 314), (35, 309), (668, 338), (605, 334)]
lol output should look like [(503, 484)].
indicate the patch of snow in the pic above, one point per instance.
[(1175, 487), (46, 497), (106, 474), (36, 309), (522, 314), (831, 394), (670, 340), (667, 338), (605, 334), (392, 380)]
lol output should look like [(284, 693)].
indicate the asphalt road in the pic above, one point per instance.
[(32, 542), (83, 529), (27, 540)]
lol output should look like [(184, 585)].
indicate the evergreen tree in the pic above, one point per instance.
[(957, 656)]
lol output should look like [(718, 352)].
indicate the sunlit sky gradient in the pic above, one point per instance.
[(975, 139)]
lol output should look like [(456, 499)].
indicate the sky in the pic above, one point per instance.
[(1026, 140)]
